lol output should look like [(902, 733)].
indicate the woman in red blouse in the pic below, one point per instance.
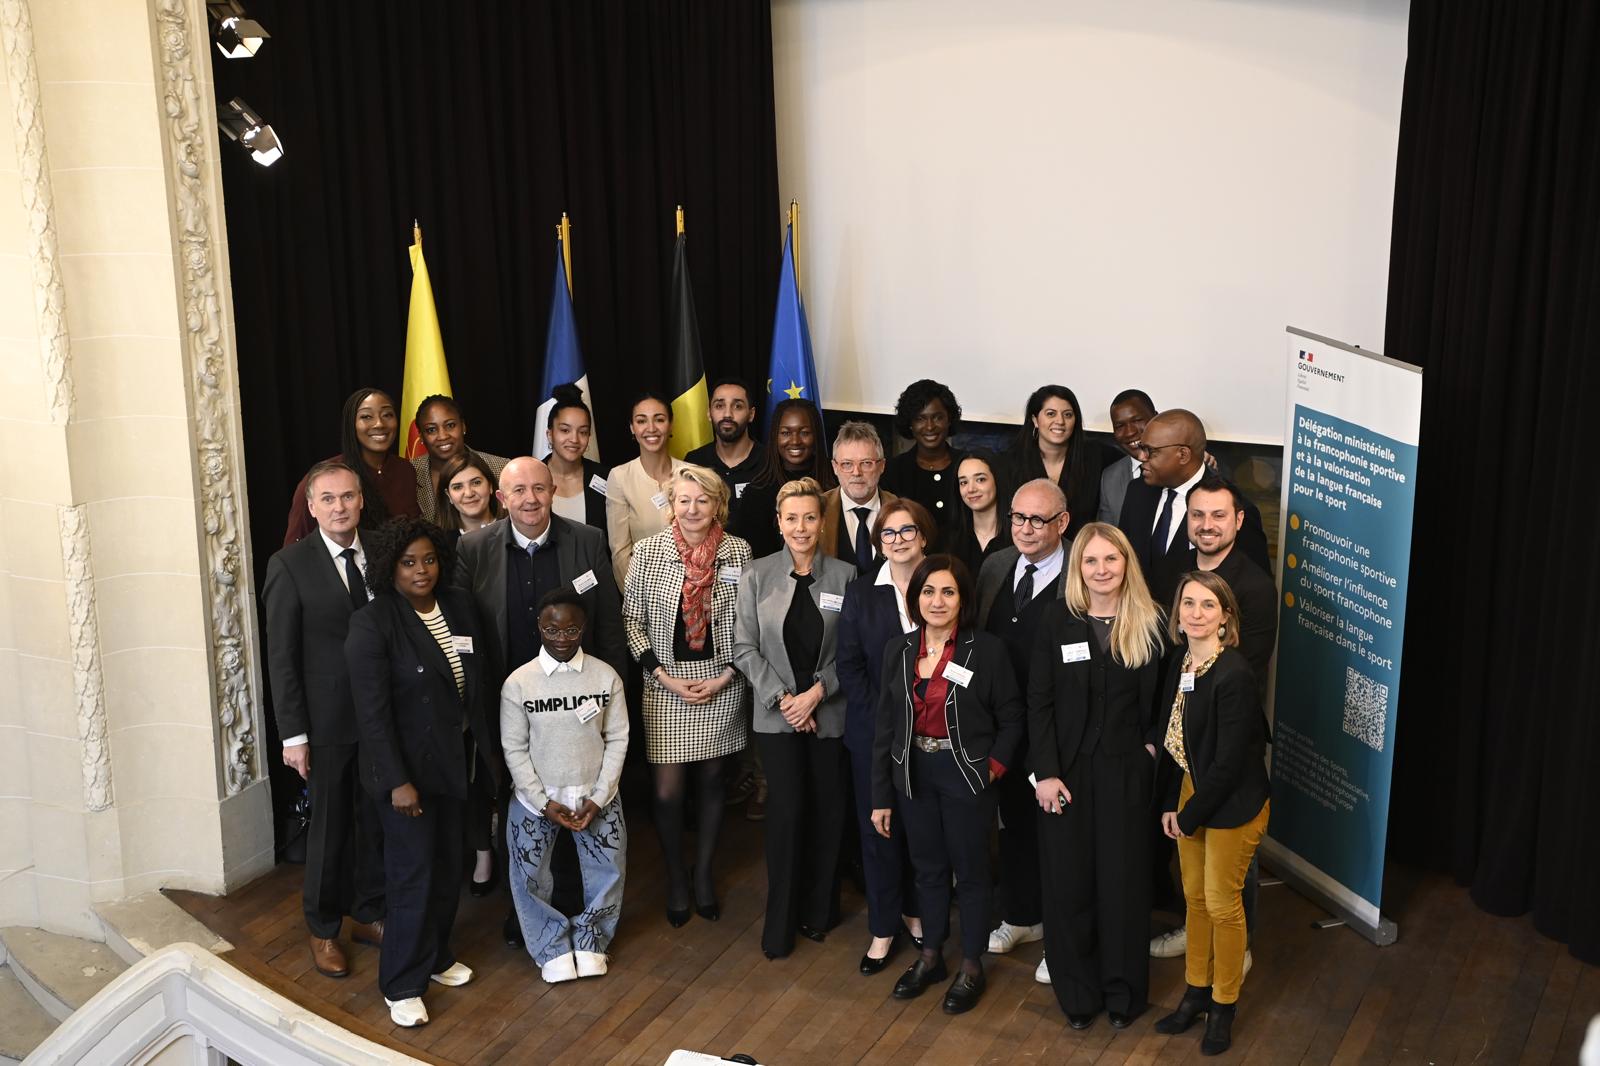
[(950, 721)]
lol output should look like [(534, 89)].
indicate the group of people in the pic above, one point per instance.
[(1069, 644)]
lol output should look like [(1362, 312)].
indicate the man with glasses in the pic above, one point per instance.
[(1014, 587), (849, 510), (509, 567), (1172, 452)]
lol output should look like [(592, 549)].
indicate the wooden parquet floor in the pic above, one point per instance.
[(1461, 986)]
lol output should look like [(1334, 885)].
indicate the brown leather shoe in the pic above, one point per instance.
[(328, 957), (367, 932)]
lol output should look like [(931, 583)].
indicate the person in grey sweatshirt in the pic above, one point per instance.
[(564, 730)]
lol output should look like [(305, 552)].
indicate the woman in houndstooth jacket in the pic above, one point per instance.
[(678, 608)]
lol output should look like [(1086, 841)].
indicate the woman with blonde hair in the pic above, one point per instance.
[(678, 609), (785, 643), (1218, 810), (1093, 732)]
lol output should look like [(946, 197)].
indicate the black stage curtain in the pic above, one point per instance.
[(485, 121), (1494, 288)]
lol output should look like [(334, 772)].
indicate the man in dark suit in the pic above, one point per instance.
[(1173, 453), (849, 510), (312, 588), (1130, 410), (1014, 587), (510, 566)]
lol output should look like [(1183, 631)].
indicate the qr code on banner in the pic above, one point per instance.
[(1366, 709)]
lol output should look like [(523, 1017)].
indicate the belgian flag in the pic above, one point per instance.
[(691, 405)]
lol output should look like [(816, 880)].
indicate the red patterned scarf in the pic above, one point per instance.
[(699, 581)]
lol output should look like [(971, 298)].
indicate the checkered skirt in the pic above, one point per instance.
[(652, 599)]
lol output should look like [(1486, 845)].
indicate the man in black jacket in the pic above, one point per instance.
[(312, 589), (1216, 515), (1173, 453)]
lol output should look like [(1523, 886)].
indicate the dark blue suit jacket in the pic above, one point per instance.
[(867, 624)]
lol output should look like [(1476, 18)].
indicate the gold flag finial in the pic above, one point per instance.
[(564, 232), (680, 220), (794, 238), (416, 232)]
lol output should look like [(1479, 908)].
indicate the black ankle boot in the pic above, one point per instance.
[(1219, 1029), (1196, 1002)]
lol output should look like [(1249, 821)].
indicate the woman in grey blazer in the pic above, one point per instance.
[(784, 642)]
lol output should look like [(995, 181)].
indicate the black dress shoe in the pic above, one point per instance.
[(677, 919), (1219, 1029), (918, 977), (1195, 1004), (512, 931), (1123, 1019), (916, 941), (711, 912), (809, 933), (871, 966), (1081, 1021), (964, 992)]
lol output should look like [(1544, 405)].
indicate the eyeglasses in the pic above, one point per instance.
[(1033, 521), (1147, 449), (850, 466), (568, 633), (903, 533)]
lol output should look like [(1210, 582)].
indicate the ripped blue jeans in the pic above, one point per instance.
[(602, 851)]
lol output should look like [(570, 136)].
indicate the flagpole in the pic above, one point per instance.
[(680, 220), (794, 238), (564, 235)]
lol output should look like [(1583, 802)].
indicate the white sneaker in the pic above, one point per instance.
[(1170, 945), (590, 963), (1007, 936), (458, 974), (561, 968), (407, 1013), (1042, 974)]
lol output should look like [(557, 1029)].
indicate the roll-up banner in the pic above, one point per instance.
[(1344, 558)]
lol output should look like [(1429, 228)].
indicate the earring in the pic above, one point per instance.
[(1222, 630)]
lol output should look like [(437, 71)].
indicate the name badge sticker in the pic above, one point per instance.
[(832, 601), (1075, 653), (738, 490), (959, 674), (728, 575), (659, 501), (598, 483), (584, 582), (461, 645), (587, 709), (1186, 682)]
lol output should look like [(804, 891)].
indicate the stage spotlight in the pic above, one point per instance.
[(243, 125), (238, 37)]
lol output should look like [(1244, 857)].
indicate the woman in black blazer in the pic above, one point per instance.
[(418, 677), (926, 414), (1218, 812), (580, 482), (1054, 443), (874, 614), (950, 722), (1092, 745)]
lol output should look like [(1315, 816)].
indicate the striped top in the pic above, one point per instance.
[(440, 632)]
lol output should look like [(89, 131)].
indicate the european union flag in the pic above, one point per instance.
[(793, 373)]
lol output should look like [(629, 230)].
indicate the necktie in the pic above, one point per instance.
[(863, 539), (1163, 530), (1024, 591), (353, 578), (533, 548)]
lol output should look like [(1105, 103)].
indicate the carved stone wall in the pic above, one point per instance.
[(191, 127)]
